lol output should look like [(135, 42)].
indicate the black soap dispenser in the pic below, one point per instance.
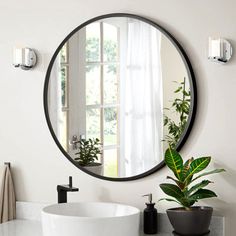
[(150, 216)]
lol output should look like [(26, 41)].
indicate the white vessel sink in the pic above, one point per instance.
[(90, 219)]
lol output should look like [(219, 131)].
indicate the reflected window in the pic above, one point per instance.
[(102, 84), (64, 80)]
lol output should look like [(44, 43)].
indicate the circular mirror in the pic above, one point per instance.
[(118, 91)]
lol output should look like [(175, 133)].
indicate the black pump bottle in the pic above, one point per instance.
[(150, 216)]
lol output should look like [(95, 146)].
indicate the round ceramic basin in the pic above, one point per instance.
[(90, 219)]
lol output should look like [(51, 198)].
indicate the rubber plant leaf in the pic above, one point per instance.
[(186, 167), (175, 162), (169, 200), (172, 190), (197, 165), (209, 173), (202, 193), (198, 186)]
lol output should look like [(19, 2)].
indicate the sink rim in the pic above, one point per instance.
[(47, 210)]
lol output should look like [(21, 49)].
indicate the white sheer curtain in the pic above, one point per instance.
[(141, 118)]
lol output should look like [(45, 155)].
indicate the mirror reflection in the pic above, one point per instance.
[(119, 94)]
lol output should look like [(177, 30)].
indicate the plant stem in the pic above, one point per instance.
[(187, 208), (182, 113)]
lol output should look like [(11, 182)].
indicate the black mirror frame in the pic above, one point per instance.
[(193, 89)]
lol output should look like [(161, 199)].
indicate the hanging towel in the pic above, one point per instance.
[(7, 195)]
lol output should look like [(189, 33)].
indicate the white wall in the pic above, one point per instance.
[(25, 141)]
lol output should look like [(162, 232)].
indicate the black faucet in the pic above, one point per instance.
[(63, 189)]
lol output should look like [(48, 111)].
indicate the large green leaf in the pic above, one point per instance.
[(172, 190), (186, 166), (201, 194), (175, 162), (170, 200), (187, 202), (209, 173), (198, 186), (197, 165)]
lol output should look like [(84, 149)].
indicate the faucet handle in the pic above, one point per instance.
[(72, 189), (70, 181)]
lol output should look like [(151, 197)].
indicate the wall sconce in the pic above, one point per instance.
[(219, 50), (25, 58)]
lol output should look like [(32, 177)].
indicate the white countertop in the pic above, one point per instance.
[(21, 228), (30, 228), (34, 228)]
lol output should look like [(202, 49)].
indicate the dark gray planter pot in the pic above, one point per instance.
[(194, 222)]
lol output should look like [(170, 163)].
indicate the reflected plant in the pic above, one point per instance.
[(180, 106), (88, 151)]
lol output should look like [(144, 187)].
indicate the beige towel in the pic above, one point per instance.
[(7, 195)]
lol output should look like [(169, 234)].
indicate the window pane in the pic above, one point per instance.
[(63, 54), (63, 79), (110, 43), (110, 126), (93, 42), (93, 84), (93, 123), (110, 163), (110, 84), (63, 130)]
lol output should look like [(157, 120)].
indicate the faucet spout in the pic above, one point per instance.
[(63, 189)]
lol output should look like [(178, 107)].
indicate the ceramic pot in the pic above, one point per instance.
[(193, 222), (96, 168)]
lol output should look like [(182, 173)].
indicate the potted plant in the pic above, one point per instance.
[(88, 155), (188, 219), (181, 108)]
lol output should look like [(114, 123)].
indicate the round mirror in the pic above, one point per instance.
[(118, 91)]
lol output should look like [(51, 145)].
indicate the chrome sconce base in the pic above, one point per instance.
[(220, 50), (25, 58)]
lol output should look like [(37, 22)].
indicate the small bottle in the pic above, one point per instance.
[(150, 216)]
